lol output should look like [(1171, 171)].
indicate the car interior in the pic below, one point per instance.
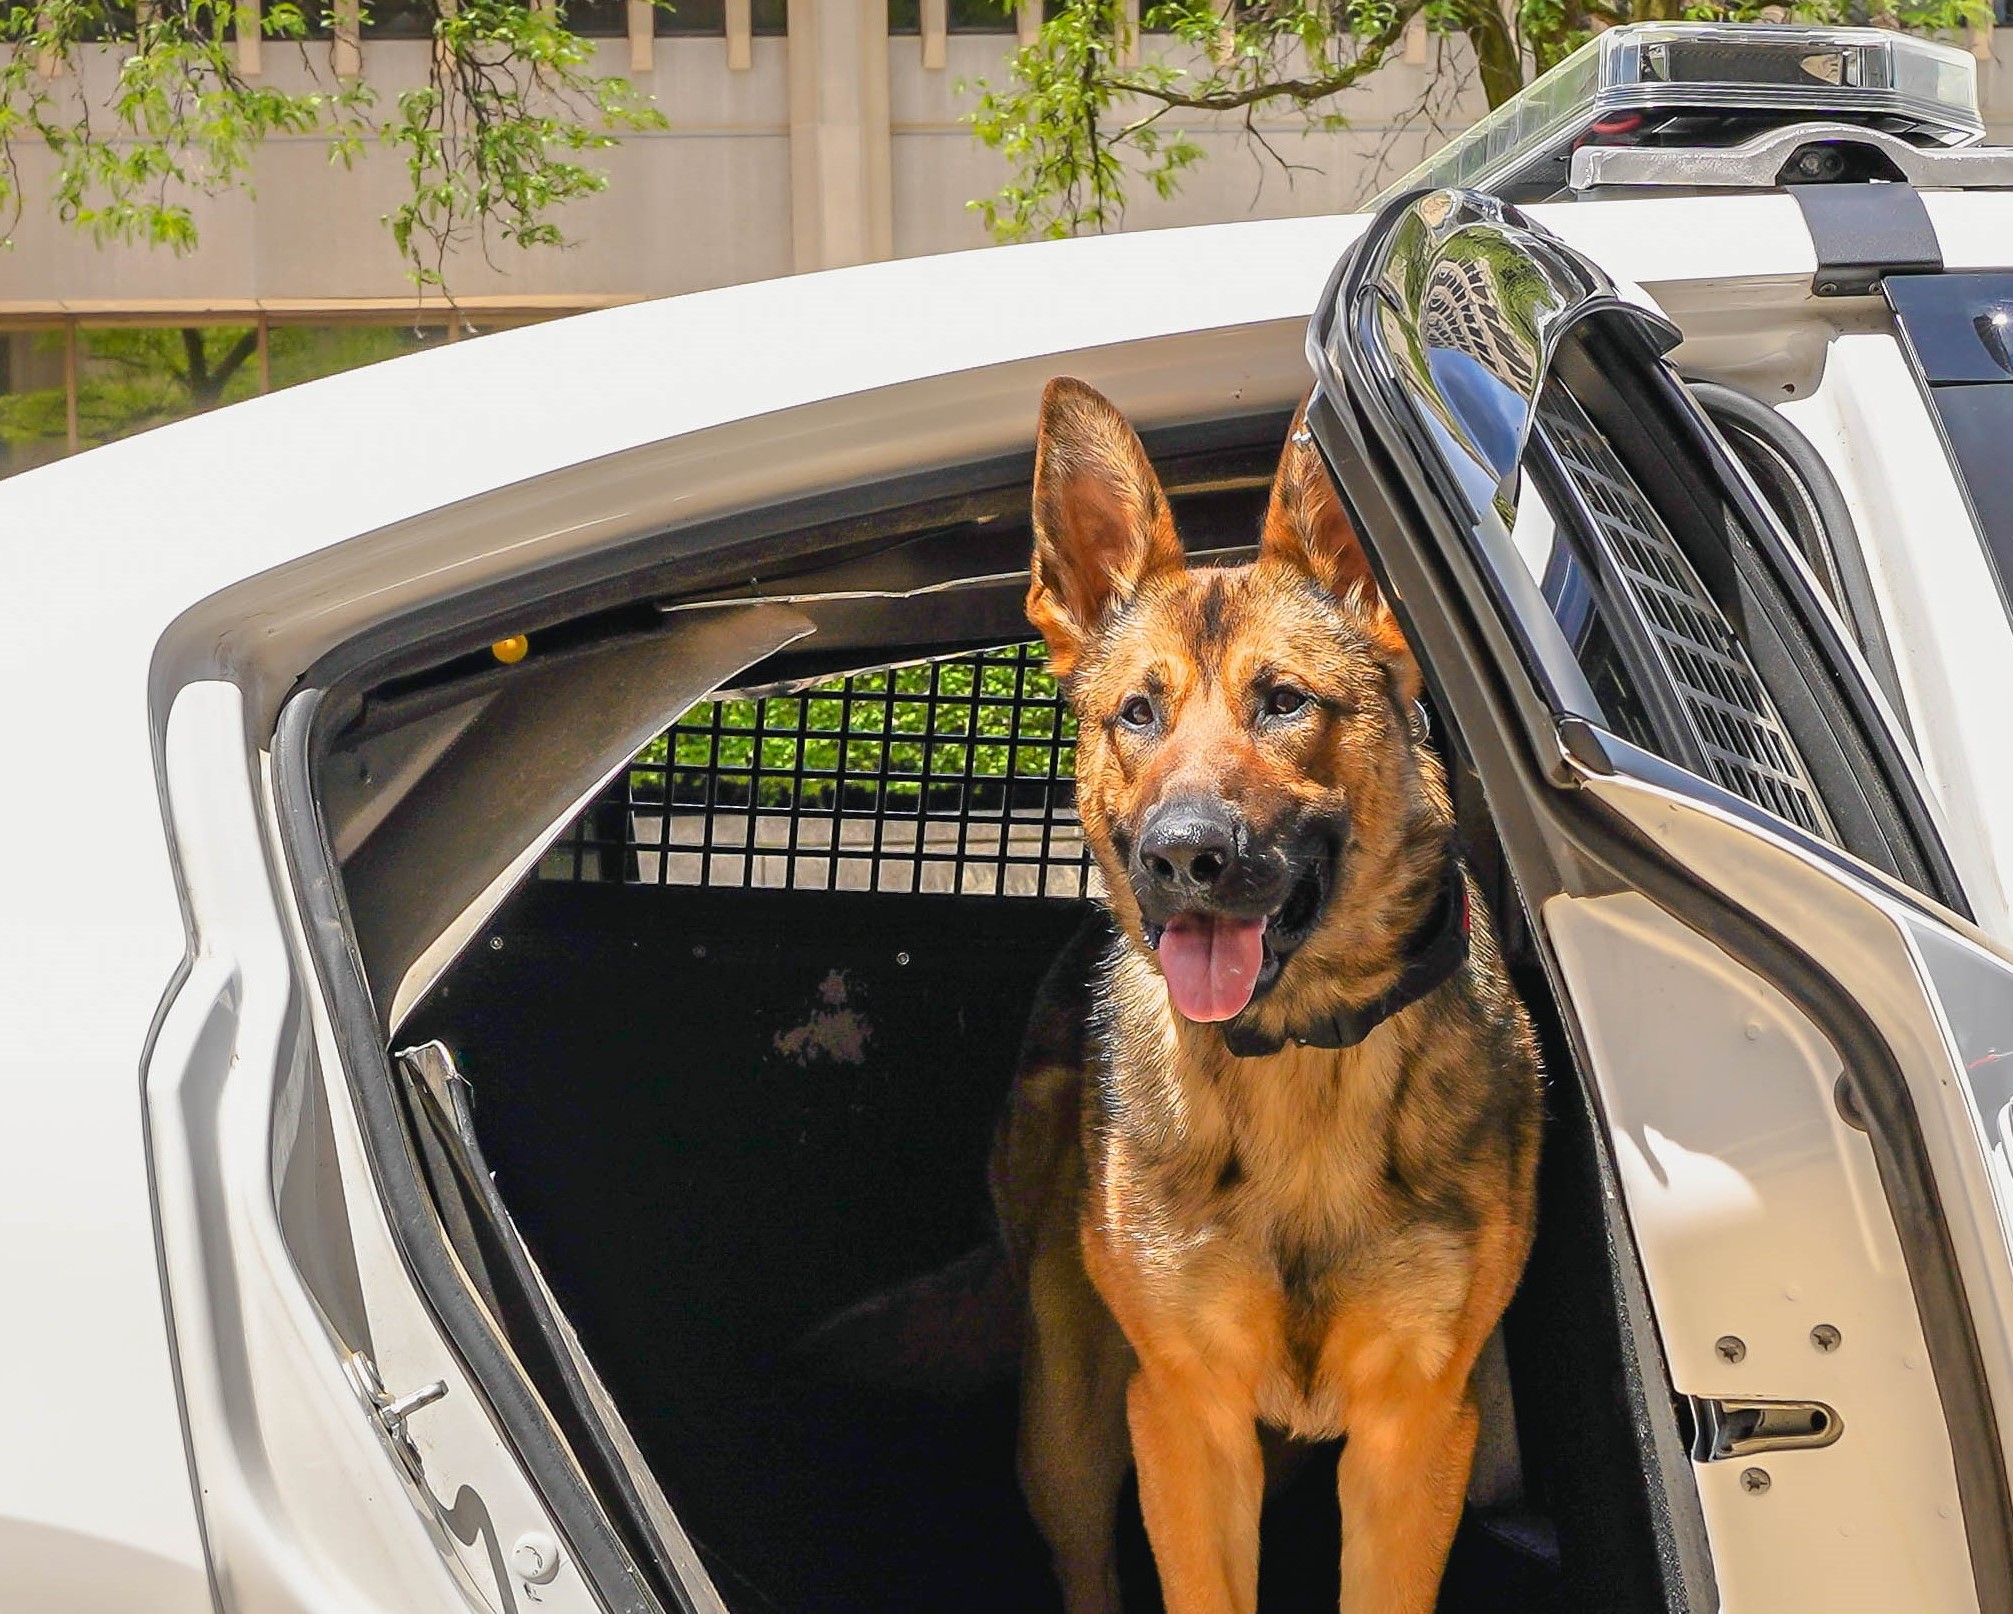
[(704, 927)]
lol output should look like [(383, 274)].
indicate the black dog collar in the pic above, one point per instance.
[(1433, 953)]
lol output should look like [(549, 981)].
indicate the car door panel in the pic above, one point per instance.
[(1676, 919), (288, 1464), (317, 1380)]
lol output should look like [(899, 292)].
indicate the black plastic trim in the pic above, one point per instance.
[(1863, 233), (1957, 326), (478, 1226), (1843, 558), (1339, 339), (1964, 390), (1662, 706)]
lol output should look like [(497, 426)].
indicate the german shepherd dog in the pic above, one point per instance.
[(1271, 1154)]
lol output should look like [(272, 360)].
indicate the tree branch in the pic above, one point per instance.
[(233, 361), (1301, 91)]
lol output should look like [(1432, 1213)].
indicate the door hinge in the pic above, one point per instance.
[(1725, 1429), (391, 1411)]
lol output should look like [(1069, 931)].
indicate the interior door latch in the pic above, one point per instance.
[(391, 1411), (1727, 1429)]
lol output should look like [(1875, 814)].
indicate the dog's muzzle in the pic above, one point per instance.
[(1224, 911)]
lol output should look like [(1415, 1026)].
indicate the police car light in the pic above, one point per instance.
[(1708, 84)]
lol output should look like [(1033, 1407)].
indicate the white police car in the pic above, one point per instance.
[(612, 827)]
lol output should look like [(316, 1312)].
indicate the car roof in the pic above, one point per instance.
[(192, 507)]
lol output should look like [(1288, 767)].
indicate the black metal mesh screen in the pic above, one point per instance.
[(1733, 721), (943, 776)]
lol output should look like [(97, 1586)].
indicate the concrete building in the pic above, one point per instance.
[(803, 134)]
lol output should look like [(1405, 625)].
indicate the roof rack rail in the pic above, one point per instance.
[(1801, 154)]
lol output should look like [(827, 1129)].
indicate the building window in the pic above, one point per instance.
[(131, 377), (108, 20), (297, 353), (397, 19), (692, 17), (983, 17), (965, 17), (674, 17), (415, 19), (597, 19)]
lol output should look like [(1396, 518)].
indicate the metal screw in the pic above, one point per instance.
[(1731, 1348), (1826, 1338), (901, 958), (496, 944), (535, 1557), (1755, 1480)]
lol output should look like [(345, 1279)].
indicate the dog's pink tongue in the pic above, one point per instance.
[(1211, 963)]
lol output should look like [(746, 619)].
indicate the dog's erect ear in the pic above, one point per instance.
[(1305, 524), (1101, 522), (1381, 628)]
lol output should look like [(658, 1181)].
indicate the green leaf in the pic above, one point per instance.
[(491, 142)]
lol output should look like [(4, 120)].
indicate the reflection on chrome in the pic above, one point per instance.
[(1465, 301)]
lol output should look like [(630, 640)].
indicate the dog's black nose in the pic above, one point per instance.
[(1189, 847)]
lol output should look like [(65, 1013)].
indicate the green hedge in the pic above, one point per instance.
[(975, 734)]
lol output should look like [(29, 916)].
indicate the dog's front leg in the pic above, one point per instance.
[(1404, 1471), (1072, 1430), (1201, 1484)]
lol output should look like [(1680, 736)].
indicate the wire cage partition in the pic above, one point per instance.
[(947, 776), (1734, 722)]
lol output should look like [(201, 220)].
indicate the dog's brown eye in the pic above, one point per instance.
[(1137, 712), (1284, 701)]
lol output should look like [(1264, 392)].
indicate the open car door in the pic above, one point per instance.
[(1792, 1034)]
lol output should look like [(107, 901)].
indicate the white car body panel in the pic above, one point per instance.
[(290, 1503), (1759, 1215), (1872, 946), (471, 462), (1936, 589)]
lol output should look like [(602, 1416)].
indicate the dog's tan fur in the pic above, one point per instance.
[(1319, 1241)]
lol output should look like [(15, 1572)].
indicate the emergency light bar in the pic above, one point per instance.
[(1708, 84)]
